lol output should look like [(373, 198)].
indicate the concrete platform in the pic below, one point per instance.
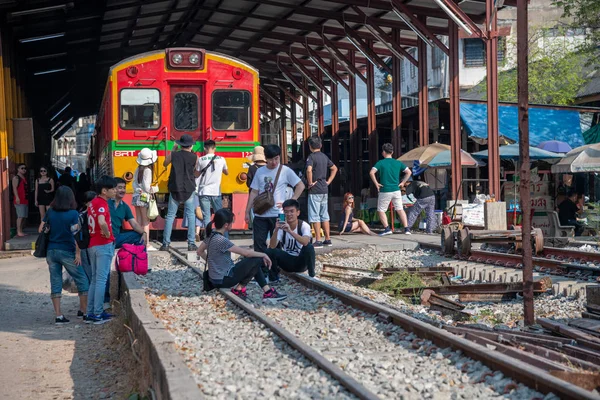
[(22, 243)]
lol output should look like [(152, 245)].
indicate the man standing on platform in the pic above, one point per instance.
[(389, 189), (20, 191), (318, 183)]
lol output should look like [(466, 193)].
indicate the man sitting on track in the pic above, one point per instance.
[(296, 254)]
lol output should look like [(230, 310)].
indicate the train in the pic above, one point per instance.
[(152, 99)]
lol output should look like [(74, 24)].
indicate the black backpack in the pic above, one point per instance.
[(83, 236)]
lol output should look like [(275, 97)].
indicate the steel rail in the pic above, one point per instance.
[(531, 376), (336, 372)]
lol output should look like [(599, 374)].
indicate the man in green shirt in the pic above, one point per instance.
[(389, 189)]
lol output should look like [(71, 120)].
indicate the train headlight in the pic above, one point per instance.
[(242, 177), (128, 176), (177, 58), (194, 59)]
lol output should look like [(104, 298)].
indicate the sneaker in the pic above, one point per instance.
[(106, 315), (164, 247), (60, 320), (407, 232), (80, 314), (318, 245), (386, 231), (242, 294), (327, 243), (192, 247), (273, 296), (89, 318), (274, 281)]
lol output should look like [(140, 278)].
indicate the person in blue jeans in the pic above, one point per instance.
[(83, 236), (210, 169), (63, 219), (119, 213), (317, 181), (101, 248), (182, 188)]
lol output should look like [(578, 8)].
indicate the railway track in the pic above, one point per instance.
[(392, 339)]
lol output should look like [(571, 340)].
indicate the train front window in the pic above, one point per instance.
[(140, 108), (231, 110), (185, 111)]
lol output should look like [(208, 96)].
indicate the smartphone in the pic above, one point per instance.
[(281, 217)]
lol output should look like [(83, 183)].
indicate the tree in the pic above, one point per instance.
[(584, 14), (555, 70)]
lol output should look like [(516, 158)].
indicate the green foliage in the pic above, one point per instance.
[(555, 71), (399, 280), (584, 14)]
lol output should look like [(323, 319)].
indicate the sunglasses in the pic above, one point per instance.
[(22, 167), (43, 170), (351, 197)]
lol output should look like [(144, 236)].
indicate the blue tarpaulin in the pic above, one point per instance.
[(544, 123)]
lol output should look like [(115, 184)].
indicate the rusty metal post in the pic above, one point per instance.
[(423, 94), (371, 121), (396, 100), (294, 119), (320, 106), (284, 142), (492, 99), (524, 173), (353, 132), (335, 132), (306, 130), (455, 133)]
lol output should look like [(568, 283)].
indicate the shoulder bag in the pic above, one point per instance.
[(265, 200), (152, 208), (41, 243)]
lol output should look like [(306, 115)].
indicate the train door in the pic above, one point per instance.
[(186, 111)]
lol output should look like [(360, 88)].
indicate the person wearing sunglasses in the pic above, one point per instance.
[(44, 191), (349, 224), (20, 190)]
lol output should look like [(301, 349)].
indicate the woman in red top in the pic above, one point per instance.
[(19, 187)]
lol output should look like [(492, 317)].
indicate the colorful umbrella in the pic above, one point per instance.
[(581, 159), (555, 146), (444, 159), (423, 154)]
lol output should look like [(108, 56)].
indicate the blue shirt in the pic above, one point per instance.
[(118, 215), (63, 226)]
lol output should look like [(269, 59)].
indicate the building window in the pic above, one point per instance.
[(413, 67), (436, 57), (231, 110), (140, 108), (474, 53)]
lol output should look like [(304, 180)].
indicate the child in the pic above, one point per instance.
[(216, 249), (101, 248)]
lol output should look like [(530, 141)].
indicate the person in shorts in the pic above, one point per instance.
[(390, 170), (20, 190), (317, 165)]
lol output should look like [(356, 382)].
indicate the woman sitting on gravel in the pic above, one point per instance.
[(348, 223), (216, 250), (63, 220)]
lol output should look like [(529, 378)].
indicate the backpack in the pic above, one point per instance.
[(299, 227), (83, 236), (132, 258)]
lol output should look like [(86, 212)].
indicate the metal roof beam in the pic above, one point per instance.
[(165, 18), (455, 13), (364, 48), (342, 59), (282, 88), (418, 27), (326, 68), (288, 75), (308, 74), (130, 28)]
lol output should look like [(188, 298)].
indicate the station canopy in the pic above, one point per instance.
[(65, 48)]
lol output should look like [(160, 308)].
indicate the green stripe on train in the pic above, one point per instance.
[(132, 145)]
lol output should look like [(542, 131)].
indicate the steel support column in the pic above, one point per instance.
[(335, 132), (320, 106), (396, 100), (423, 94), (306, 133), (284, 152), (353, 131), (492, 100), (454, 111), (524, 173), (371, 121), (294, 119)]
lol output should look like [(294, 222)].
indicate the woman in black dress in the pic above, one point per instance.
[(44, 191)]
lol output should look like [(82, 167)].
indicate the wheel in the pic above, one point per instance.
[(538, 241), (463, 242), (447, 238)]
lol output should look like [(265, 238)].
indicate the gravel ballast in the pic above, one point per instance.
[(230, 355)]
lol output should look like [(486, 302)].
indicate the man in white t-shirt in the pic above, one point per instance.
[(211, 168), (290, 248), (264, 180)]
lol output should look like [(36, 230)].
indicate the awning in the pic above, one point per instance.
[(544, 123)]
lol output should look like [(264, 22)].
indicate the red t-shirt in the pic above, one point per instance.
[(98, 207)]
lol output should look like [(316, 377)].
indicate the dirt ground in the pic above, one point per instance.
[(39, 360)]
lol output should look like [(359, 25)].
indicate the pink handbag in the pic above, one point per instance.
[(132, 258)]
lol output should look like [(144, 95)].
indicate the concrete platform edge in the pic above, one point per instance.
[(165, 371)]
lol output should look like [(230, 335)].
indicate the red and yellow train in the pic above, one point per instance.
[(153, 98)]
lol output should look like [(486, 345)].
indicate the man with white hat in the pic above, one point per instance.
[(182, 187)]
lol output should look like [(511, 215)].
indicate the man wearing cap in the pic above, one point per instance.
[(210, 168), (181, 186)]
